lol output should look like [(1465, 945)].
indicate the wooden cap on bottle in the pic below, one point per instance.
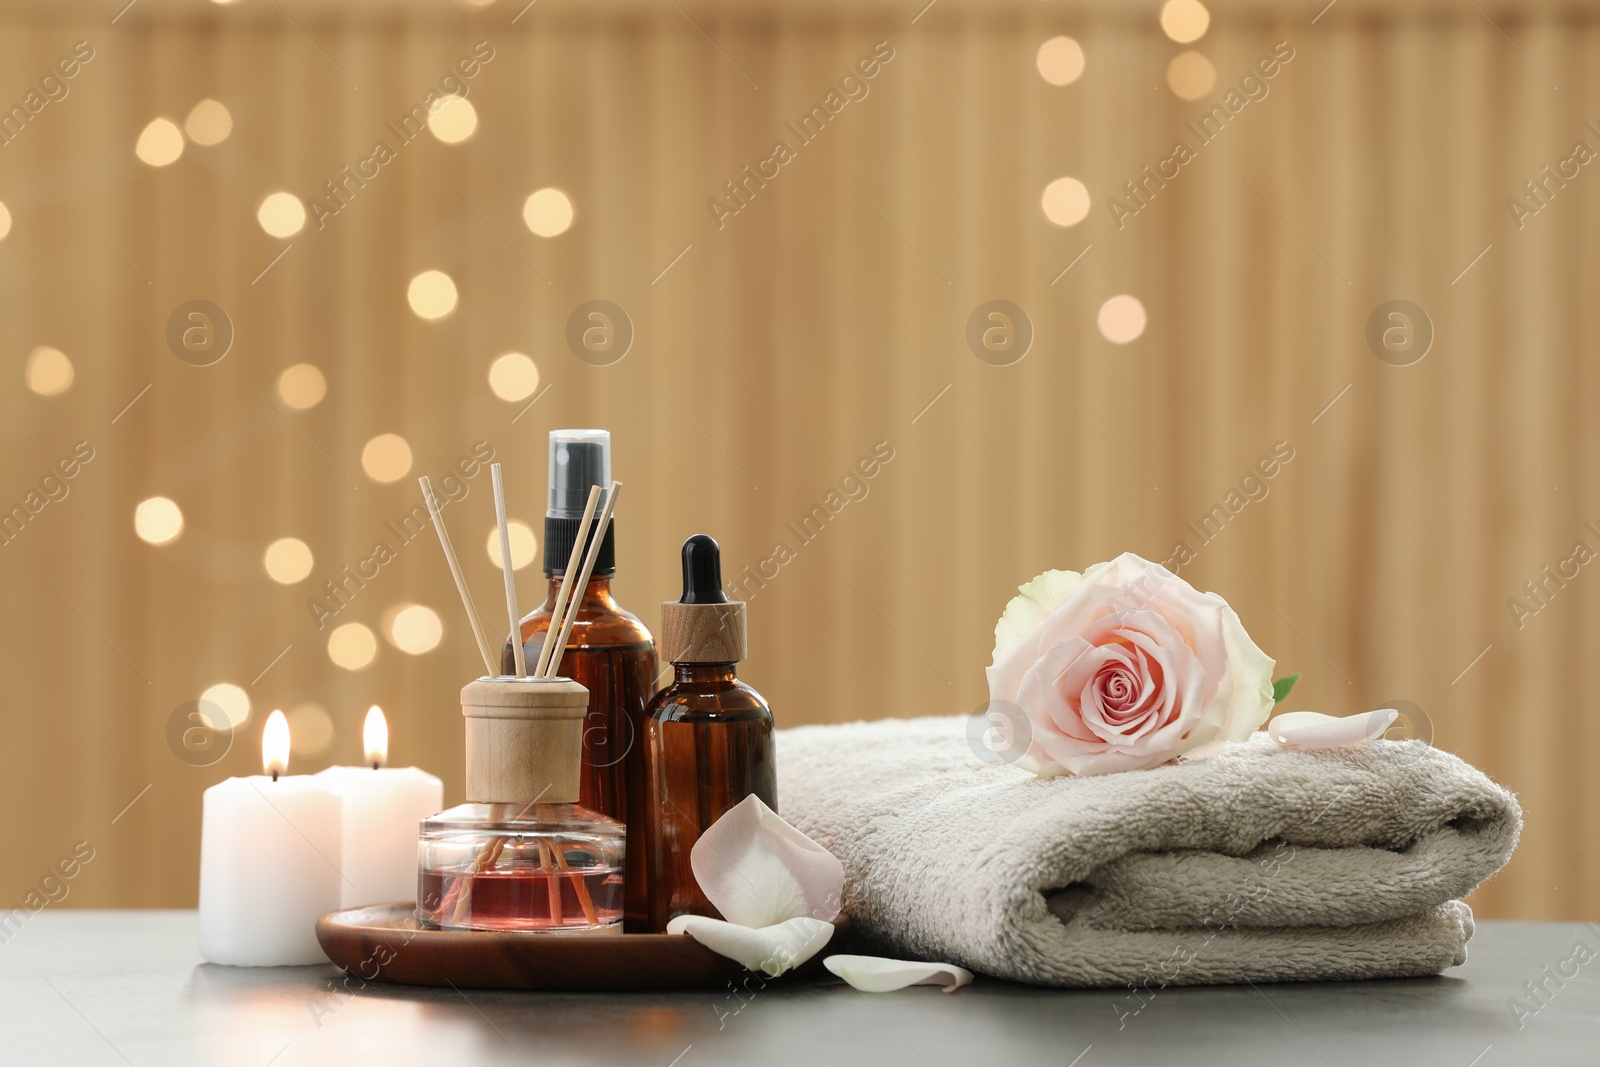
[(524, 739), (703, 633)]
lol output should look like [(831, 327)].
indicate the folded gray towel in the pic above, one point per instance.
[(1261, 864)]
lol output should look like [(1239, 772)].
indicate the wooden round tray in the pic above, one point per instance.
[(383, 942)]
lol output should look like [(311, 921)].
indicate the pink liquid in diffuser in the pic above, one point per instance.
[(522, 899)]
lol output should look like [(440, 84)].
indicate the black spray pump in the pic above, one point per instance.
[(702, 571), (579, 459)]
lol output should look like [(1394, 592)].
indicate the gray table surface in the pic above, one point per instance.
[(128, 987)]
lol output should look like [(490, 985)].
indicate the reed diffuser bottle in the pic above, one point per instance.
[(708, 738), (609, 652), (521, 854)]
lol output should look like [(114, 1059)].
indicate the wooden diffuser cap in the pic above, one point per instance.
[(524, 739)]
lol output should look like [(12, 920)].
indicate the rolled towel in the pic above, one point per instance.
[(1261, 864)]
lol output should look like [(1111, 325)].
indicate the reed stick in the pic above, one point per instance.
[(510, 572), (552, 885), (585, 901), (462, 889), (455, 572), (549, 655), (588, 568)]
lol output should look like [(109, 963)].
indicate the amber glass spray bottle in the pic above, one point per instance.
[(708, 736), (609, 652)]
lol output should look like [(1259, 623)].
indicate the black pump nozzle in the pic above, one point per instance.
[(702, 571), (579, 459)]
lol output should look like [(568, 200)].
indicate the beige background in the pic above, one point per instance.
[(824, 318)]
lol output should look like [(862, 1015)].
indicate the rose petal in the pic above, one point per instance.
[(873, 974), (772, 950), (1028, 608), (1041, 694), (757, 870), (1310, 729)]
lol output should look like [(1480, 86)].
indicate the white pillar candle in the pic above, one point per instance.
[(269, 854), (382, 809)]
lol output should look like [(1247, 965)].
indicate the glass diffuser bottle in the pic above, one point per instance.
[(708, 738), (609, 651), (522, 854)]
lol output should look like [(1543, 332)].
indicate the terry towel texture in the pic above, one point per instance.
[(1262, 864)]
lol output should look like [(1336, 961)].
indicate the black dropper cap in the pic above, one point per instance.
[(702, 571)]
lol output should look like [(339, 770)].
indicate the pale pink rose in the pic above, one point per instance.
[(1125, 667)]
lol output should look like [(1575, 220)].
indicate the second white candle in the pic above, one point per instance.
[(382, 809)]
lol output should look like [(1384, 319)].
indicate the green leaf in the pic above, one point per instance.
[(1281, 687)]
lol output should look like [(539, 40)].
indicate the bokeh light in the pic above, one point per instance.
[(1184, 20), (208, 123), (281, 214), (352, 646), (548, 212), (48, 371), (524, 544), (453, 119), (1065, 201), (513, 377), (1121, 319), (232, 701), (386, 458), (160, 143), (310, 729), (1190, 75), (287, 560), (158, 520), (414, 629), (432, 294), (302, 386), (5, 221), (1060, 61)]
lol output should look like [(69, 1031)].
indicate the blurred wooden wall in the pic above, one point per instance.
[(774, 353)]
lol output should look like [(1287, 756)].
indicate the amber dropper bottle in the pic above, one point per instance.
[(708, 736), (609, 652)]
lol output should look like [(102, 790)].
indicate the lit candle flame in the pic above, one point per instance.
[(275, 745), (375, 734)]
